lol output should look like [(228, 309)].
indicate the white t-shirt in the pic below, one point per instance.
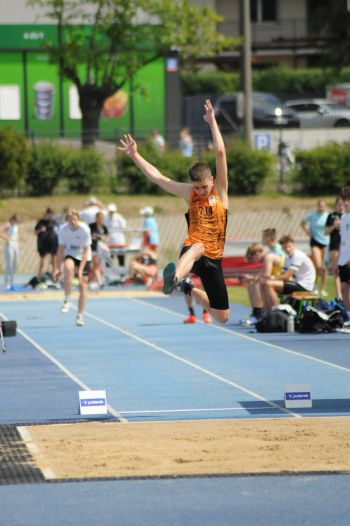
[(74, 241), (88, 214), (344, 255), (12, 232), (305, 273), (116, 225)]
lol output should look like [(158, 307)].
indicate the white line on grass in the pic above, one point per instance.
[(191, 364)]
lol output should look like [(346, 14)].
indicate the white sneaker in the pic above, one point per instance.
[(252, 320), (80, 320), (66, 307), (324, 293)]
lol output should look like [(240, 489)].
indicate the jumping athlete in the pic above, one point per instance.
[(207, 200)]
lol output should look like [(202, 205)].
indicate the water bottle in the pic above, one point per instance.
[(290, 324)]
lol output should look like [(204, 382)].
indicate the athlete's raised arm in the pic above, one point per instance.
[(221, 182), (129, 146)]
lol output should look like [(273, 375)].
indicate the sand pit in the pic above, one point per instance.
[(97, 449)]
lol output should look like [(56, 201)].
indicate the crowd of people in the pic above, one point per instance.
[(73, 244), (287, 269)]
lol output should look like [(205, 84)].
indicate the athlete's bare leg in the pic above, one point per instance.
[(187, 260)]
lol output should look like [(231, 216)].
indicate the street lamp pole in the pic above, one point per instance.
[(247, 72), (280, 122)]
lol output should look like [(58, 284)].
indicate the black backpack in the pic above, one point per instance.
[(314, 320), (275, 321)]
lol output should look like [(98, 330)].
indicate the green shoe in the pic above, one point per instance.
[(169, 277)]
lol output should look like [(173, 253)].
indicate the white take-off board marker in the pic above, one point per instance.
[(92, 403), (297, 395)]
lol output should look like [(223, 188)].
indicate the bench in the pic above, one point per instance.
[(234, 266), (305, 299)]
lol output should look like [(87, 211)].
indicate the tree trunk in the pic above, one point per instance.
[(91, 102)]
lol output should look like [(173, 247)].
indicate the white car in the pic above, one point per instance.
[(319, 113)]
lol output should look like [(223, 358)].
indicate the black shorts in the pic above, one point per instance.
[(334, 246), (314, 243), (212, 278), (344, 273), (48, 246), (292, 286), (77, 265)]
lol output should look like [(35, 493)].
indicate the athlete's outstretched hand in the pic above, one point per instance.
[(209, 115), (128, 145)]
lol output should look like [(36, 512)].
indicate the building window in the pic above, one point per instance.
[(263, 10)]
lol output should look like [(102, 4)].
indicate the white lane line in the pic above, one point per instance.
[(33, 449), (256, 340), (198, 410), (191, 364), (64, 369), (48, 473)]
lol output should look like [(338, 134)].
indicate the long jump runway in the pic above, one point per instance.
[(156, 369), (153, 367)]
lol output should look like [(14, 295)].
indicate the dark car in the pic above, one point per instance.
[(264, 105)]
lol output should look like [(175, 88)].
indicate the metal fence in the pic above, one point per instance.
[(242, 228)]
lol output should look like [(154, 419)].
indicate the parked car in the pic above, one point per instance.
[(264, 107), (319, 113)]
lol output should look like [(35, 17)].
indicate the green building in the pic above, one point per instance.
[(35, 100)]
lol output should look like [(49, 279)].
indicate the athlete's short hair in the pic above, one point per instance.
[(345, 193), (286, 239), (72, 212), (253, 249), (199, 172), (270, 232)]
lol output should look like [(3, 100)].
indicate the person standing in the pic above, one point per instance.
[(74, 253), (332, 229), (150, 228), (158, 141), (344, 250), (319, 241), (9, 232), (208, 205), (47, 240), (186, 143), (116, 225), (88, 213), (99, 235)]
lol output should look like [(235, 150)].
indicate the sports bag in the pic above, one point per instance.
[(275, 321), (314, 320)]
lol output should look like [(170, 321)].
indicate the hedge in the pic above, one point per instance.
[(284, 82), (15, 158), (247, 169), (80, 171), (324, 169)]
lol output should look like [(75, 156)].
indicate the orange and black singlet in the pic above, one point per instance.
[(207, 220)]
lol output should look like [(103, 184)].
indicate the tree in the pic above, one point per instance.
[(100, 46), (332, 21)]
